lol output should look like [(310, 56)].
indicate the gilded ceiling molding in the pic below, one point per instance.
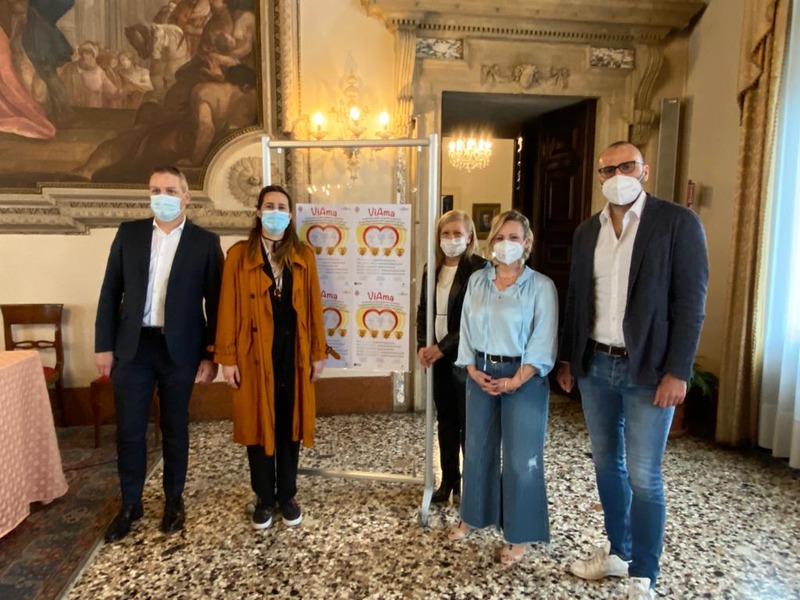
[(525, 75), (645, 119)]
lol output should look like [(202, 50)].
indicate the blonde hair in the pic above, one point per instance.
[(502, 219), (449, 217)]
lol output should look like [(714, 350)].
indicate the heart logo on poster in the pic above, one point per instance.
[(381, 236), (324, 236)]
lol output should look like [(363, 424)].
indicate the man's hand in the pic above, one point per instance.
[(565, 378), (104, 361), (671, 391), (316, 369), (206, 372), (231, 375)]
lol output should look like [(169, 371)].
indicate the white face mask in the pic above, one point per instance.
[(622, 189), (453, 247), (507, 251)]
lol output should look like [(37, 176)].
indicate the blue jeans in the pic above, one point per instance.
[(628, 435), (513, 496)]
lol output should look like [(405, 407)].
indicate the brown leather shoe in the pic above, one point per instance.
[(121, 525), (174, 515)]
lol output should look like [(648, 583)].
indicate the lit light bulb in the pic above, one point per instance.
[(355, 113)]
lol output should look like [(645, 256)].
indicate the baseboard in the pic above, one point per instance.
[(340, 395)]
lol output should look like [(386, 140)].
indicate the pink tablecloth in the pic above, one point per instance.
[(30, 464)]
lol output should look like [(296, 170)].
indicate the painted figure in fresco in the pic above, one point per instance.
[(191, 16), (134, 81), (20, 114), (165, 46), (85, 81)]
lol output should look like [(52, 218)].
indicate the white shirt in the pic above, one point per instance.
[(443, 284), (612, 267), (162, 253)]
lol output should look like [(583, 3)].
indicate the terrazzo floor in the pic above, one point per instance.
[(733, 528)]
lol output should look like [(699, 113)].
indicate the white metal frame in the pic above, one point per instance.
[(432, 143)]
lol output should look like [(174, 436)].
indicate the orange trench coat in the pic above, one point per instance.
[(244, 338)]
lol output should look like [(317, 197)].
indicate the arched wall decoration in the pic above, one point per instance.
[(67, 193)]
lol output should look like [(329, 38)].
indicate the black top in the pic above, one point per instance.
[(284, 319)]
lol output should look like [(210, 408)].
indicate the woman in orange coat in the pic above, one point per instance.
[(271, 345)]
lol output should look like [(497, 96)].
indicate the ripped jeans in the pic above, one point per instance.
[(512, 495)]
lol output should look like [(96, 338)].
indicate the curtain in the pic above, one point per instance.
[(779, 418), (760, 64)]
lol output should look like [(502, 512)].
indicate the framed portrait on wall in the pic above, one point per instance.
[(447, 203), (482, 215), (102, 91)]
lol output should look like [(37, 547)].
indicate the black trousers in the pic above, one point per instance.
[(134, 383), (449, 396), (275, 477)]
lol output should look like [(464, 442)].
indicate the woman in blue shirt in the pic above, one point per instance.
[(508, 345)]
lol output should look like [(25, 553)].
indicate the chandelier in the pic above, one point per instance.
[(468, 155)]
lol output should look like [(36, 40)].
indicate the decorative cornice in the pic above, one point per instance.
[(76, 211), (576, 21)]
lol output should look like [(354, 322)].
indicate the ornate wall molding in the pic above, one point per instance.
[(525, 75), (645, 119), (440, 49), (575, 21)]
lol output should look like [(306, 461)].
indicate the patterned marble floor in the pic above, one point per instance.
[(732, 527)]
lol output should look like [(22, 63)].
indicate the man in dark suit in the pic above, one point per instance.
[(156, 323), (633, 314)]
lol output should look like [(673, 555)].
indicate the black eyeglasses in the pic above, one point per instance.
[(625, 168)]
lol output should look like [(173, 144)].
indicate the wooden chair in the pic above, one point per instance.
[(101, 395), (32, 315)]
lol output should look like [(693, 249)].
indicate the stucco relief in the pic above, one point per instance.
[(525, 75)]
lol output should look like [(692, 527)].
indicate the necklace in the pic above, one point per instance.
[(277, 268)]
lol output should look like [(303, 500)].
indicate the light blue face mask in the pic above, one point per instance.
[(165, 207), (275, 222)]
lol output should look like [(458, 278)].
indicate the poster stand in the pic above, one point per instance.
[(432, 143)]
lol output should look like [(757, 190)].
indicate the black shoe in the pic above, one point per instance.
[(262, 516), (442, 494), (174, 515), (292, 515), (121, 525)]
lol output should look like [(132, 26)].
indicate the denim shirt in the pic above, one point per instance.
[(521, 320)]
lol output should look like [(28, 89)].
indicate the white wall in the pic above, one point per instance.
[(65, 269), (711, 152)]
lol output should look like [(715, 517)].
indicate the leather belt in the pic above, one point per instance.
[(618, 351), (153, 330), (494, 358)]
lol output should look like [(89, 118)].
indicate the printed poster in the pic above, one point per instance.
[(363, 258)]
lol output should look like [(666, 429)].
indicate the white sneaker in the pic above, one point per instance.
[(639, 589), (601, 564)]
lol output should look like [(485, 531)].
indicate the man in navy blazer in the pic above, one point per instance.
[(633, 314), (156, 323)]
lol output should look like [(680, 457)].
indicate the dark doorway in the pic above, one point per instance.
[(553, 163)]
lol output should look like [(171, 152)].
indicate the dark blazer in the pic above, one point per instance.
[(666, 293), (195, 277), (455, 302)]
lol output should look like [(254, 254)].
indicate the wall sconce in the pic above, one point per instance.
[(349, 120)]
